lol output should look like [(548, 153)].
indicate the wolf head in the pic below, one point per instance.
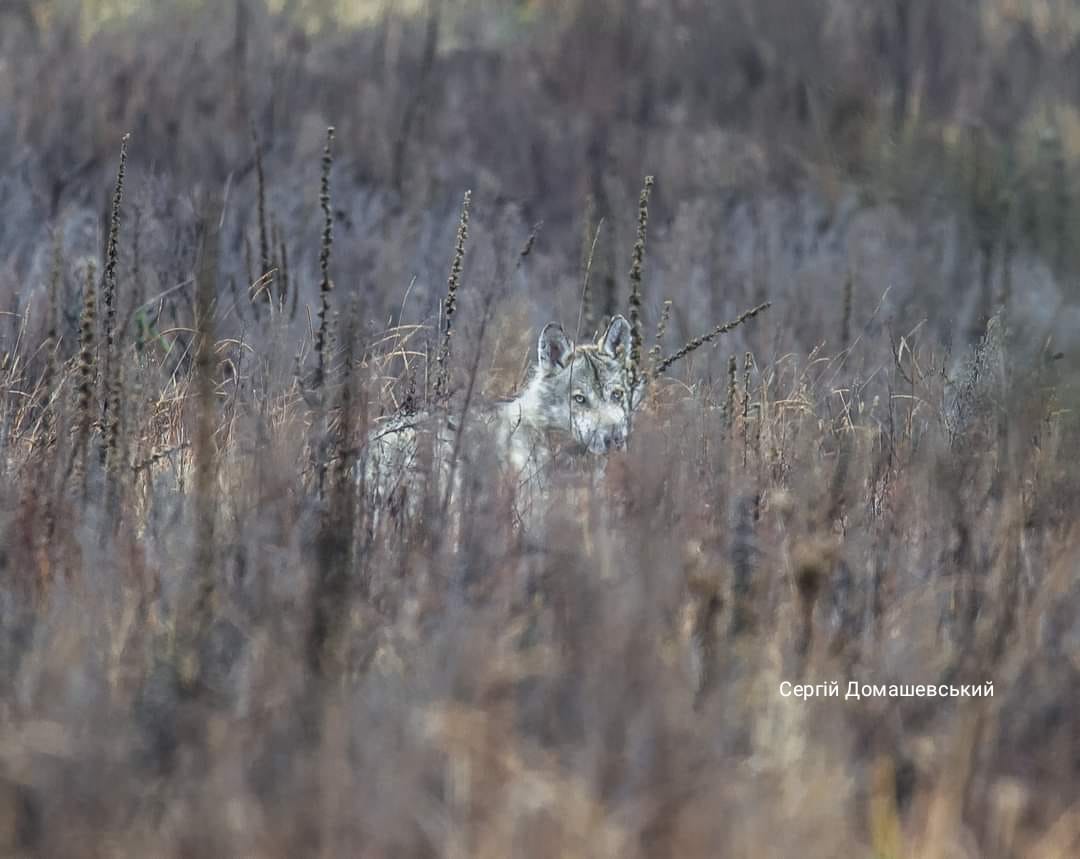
[(589, 392)]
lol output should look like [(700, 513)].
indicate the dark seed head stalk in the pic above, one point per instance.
[(453, 282), (729, 407), (845, 318), (265, 263), (283, 290), (87, 368), (698, 342), (661, 329), (109, 402), (635, 276), (748, 361), (51, 342), (325, 284), (112, 248)]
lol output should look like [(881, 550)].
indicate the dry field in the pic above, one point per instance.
[(211, 645)]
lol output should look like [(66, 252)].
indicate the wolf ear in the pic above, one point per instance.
[(616, 338), (554, 348)]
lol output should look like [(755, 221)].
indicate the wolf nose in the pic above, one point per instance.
[(615, 439)]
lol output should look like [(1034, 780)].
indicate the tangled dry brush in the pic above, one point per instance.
[(210, 645)]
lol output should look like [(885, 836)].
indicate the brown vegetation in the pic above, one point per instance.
[(209, 646)]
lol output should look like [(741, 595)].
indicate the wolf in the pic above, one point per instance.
[(579, 400)]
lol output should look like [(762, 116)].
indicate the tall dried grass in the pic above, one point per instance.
[(218, 650)]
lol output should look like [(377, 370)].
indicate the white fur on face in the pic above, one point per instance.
[(585, 391)]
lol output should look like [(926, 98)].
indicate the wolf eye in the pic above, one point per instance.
[(617, 395), (580, 399)]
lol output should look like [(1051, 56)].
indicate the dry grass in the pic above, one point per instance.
[(209, 645)]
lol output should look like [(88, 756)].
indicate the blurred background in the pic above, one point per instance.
[(924, 148), (874, 481)]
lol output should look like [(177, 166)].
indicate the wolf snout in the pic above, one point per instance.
[(614, 440)]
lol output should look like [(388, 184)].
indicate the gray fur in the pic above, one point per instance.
[(579, 396)]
